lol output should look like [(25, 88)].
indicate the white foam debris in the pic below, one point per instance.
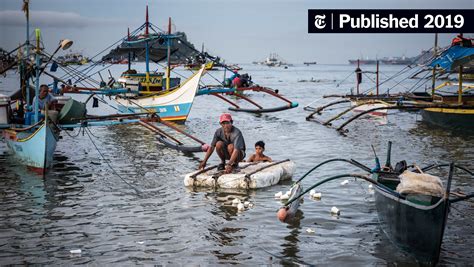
[(236, 201), (370, 186), (246, 203), (335, 211), (75, 251), (279, 194), (312, 192), (288, 193), (140, 242), (317, 195), (240, 207), (344, 182), (251, 205), (285, 197), (310, 231)]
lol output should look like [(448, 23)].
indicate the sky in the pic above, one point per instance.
[(238, 31)]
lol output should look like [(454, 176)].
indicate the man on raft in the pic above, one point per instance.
[(229, 143)]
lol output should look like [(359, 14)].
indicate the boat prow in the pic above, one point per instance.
[(173, 105)]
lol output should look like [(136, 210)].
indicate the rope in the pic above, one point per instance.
[(88, 132), (343, 80)]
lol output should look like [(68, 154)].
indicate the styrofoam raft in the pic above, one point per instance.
[(266, 177)]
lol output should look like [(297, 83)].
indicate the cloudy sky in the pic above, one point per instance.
[(238, 30)]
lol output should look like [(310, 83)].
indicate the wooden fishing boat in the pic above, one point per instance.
[(171, 101), (34, 146), (34, 142), (172, 105), (412, 206), (417, 226), (460, 111)]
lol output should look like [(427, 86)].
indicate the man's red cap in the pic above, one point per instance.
[(225, 117)]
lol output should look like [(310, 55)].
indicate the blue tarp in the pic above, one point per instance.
[(453, 57)]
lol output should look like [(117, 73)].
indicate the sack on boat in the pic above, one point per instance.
[(420, 183)]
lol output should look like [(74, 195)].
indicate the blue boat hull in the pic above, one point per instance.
[(34, 148), (178, 112)]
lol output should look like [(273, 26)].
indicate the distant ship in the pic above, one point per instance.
[(386, 60), (310, 63), (274, 60)]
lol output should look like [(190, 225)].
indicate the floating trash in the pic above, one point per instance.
[(285, 197), (370, 186), (236, 201), (344, 182), (251, 205), (335, 211), (310, 231), (246, 203), (278, 195), (240, 207), (317, 196), (75, 251)]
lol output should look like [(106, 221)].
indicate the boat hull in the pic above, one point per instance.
[(177, 112), (369, 106), (33, 148), (449, 117), (418, 229), (174, 105)]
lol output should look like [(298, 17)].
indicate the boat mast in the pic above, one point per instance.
[(460, 79), (147, 52), (26, 8), (168, 55), (358, 72), (38, 65), (129, 53), (433, 78), (377, 81)]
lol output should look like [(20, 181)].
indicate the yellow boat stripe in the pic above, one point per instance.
[(31, 135), (451, 110)]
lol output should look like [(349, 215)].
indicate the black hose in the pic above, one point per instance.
[(351, 161), (342, 176)]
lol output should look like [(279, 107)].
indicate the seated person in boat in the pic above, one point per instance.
[(229, 143), (259, 156), (44, 98)]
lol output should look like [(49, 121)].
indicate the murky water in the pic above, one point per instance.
[(83, 202)]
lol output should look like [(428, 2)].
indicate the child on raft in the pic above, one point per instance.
[(259, 156)]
